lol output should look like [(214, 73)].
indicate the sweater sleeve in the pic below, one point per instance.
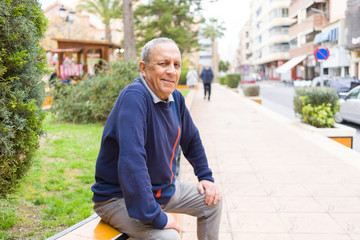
[(192, 146), (133, 174)]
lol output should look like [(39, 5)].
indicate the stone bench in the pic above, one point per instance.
[(95, 229)]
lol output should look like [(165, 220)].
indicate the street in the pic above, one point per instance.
[(279, 98)]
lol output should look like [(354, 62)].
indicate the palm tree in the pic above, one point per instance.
[(129, 35), (105, 9), (213, 30)]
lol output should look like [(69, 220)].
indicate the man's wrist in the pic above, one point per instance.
[(160, 221)]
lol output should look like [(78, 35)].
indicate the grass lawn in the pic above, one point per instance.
[(56, 192), (184, 92)]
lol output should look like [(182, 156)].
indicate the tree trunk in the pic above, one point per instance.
[(214, 60), (129, 35), (107, 33)]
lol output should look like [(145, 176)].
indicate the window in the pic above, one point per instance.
[(258, 12), (280, 30), (293, 43), (279, 13), (354, 95), (279, 47)]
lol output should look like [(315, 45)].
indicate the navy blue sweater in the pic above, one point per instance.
[(137, 158)]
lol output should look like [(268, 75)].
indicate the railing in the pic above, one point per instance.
[(314, 22), (306, 49), (297, 5)]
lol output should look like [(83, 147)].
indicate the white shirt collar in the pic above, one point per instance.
[(155, 98)]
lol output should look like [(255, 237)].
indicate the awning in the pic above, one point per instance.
[(290, 64), (66, 50), (325, 36)]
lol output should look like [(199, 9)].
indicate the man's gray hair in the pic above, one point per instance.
[(146, 50)]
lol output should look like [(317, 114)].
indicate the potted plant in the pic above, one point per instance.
[(316, 107), (252, 91)]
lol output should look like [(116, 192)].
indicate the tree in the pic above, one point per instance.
[(129, 34), (22, 66), (224, 66), (213, 30), (105, 9), (168, 18)]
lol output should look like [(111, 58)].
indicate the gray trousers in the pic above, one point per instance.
[(186, 199)]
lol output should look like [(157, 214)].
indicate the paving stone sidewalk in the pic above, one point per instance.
[(279, 181)]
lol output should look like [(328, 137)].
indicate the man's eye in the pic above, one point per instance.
[(177, 65)]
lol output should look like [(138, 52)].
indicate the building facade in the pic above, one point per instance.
[(243, 52), (353, 36), (269, 39), (319, 23)]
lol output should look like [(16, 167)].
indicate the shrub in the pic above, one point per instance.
[(316, 105), (222, 80), (22, 65), (184, 70), (182, 80), (251, 90), (92, 99), (232, 80)]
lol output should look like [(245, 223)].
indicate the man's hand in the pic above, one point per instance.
[(172, 223), (212, 192)]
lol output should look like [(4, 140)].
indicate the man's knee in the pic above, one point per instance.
[(167, 234)]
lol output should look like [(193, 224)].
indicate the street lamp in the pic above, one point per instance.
[(67, 18)]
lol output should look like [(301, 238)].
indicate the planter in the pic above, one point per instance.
[(185, 87), (256, 99), (340, 133)]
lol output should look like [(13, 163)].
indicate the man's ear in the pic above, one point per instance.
[(142, 67)]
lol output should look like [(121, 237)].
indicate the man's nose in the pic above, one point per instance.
[(171, 69)]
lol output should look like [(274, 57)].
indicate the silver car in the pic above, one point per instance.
[(349, 106)]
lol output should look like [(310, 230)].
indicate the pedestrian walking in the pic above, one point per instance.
[(207, 77), (191, 77)]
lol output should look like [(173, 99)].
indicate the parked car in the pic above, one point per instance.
[(248, 78), (321, 81), (349, 106), (340, 84)]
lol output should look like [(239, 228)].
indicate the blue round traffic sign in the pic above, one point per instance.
[(321, 54), (246, 67)]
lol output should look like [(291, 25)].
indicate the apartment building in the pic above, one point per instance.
[(269, 40), (243, 52), (318, 23), (353, 36), (310, 17)]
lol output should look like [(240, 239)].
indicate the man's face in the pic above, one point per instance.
[(163, 72)]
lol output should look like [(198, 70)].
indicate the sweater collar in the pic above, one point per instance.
[(155, 98)]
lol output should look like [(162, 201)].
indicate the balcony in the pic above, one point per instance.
[(297, 5), (306, 49), (313, 23)]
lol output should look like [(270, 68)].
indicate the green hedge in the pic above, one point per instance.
[(92, 99), (182, 80), (222, 80), (232, 80), (316, 105), (22, 66)]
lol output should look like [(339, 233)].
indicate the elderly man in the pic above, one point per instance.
[(135, 186)]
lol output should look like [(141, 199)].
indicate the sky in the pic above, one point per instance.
[(233, 14)]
